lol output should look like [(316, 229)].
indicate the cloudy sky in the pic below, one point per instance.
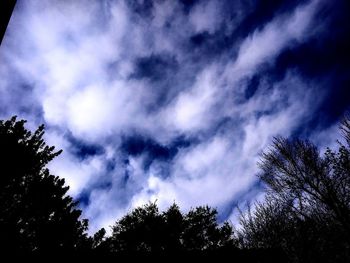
[(173, 100)]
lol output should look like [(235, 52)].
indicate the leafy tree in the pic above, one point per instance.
[(36, 214), (139, 231), (145, 229), (98, 238), (99, 243), (173, 228), (201, 230)]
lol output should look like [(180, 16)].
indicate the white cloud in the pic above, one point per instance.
[(101, 202), (221, 168), (206, 17), (79, 65), (327, 138), (263, 45), (191, 109)]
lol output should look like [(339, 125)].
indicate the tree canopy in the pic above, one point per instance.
[(145, 229), (36, 214)]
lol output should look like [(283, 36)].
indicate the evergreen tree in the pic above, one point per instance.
[(36, 214)]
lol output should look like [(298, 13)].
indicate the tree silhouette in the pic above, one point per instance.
[(307, 207), (36, 214), (305, 214), (173, 228), (145, 229), (139, 231), (201, 230), (296, 173)]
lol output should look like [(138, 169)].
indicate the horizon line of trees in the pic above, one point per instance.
[(305, 216)]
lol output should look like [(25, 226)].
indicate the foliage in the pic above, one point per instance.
[(35, 212), (145, 229)]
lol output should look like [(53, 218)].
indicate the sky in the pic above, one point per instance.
[(173, 101)]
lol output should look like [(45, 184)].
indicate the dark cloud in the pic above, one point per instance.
[(205, 46), (155, 67), (252, 86), (137, 145), (84, 197), (260, 12), (188, 4), (325, 60), (141, 8), (83, 149)]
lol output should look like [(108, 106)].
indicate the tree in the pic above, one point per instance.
[(173, 228), (36, 214), (145, 229), (274, 226), (139, 231), (267, 226), (202, 232), (307, 207), (99, 242), (296, 173)]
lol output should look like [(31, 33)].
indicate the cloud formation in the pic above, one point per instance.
[(168, 101)]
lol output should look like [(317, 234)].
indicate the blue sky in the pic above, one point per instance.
[(173, 100)]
